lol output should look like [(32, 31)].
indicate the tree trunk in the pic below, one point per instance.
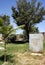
[(4, 48), (27, 33)]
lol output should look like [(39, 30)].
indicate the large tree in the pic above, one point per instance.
[(29, 14)]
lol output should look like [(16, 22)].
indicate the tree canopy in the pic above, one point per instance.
[(29, 14), (6, 19)]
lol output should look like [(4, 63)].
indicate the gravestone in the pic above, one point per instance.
[(36, 42)]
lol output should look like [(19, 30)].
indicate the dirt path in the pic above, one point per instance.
[(27, 59)]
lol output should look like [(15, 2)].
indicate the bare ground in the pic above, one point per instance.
[(27, 59)]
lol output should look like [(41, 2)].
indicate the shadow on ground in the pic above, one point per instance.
[(18, 42), (8, 58)]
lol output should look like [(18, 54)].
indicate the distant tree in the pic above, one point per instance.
[(29, 14), (6, 19)]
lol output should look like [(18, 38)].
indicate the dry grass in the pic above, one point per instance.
[(19, 54), (27, 59)]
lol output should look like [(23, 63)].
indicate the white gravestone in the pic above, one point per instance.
[(36, 42)]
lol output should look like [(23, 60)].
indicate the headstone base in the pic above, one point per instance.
[(36, 54)]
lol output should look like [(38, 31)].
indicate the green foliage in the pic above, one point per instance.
[(1, 22), (6, 19), (6, 30), (28, 13), (11, 50)]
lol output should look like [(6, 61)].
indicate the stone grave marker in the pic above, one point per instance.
[(36, 42)]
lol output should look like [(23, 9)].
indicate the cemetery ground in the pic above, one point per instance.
[(19, 54)]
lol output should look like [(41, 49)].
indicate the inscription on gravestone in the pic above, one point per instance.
[(36, 42)]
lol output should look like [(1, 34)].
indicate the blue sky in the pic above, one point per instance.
[(5, 8)]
